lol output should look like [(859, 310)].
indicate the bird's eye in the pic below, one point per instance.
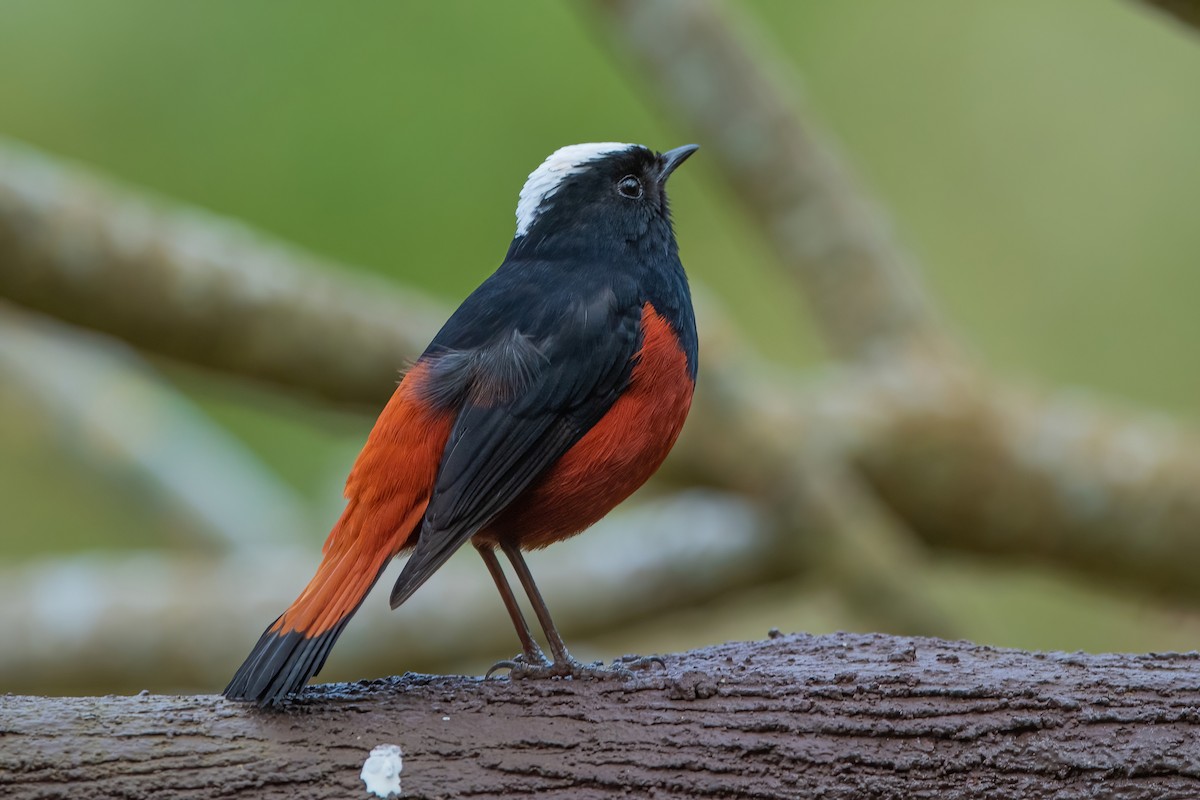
[(630, 187)]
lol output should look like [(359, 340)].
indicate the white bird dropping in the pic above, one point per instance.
[(381, 771)]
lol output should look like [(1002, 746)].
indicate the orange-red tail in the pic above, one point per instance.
[(387, 490)]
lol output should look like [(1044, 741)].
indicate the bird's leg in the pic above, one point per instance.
[(532, 653), (562, 658), (564, 665)]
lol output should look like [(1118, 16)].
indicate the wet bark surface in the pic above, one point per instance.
[(840, 716)]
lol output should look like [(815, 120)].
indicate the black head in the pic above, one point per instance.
[(599, 198)]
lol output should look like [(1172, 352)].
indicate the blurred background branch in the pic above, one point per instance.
[(111, 410), (129, 619), (1185, 11), (197, 287), (868, 480)]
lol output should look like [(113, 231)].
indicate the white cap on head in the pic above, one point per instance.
[(545, 180)]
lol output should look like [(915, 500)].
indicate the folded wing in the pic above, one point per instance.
[(526, 398)]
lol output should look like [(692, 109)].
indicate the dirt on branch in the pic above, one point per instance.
[(840, 716)]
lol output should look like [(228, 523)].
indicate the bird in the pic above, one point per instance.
[(555, 390)]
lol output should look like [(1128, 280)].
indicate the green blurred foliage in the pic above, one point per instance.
[(1040, 159)]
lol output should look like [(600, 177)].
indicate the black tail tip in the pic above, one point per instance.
[(280, 665)]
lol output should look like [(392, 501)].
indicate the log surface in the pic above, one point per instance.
[(839, 716)]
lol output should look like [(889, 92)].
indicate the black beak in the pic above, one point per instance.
[(673, 158)]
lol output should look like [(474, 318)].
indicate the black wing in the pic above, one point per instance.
[(518, 419)]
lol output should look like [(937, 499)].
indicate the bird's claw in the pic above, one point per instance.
[(517, 666), (511, 666), (632, 662)]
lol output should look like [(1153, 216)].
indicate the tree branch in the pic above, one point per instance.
[(977, 465), (968, 463), (197, 287), (842, 716)]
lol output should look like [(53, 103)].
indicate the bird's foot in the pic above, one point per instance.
[(520, 668), (622, 669)]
